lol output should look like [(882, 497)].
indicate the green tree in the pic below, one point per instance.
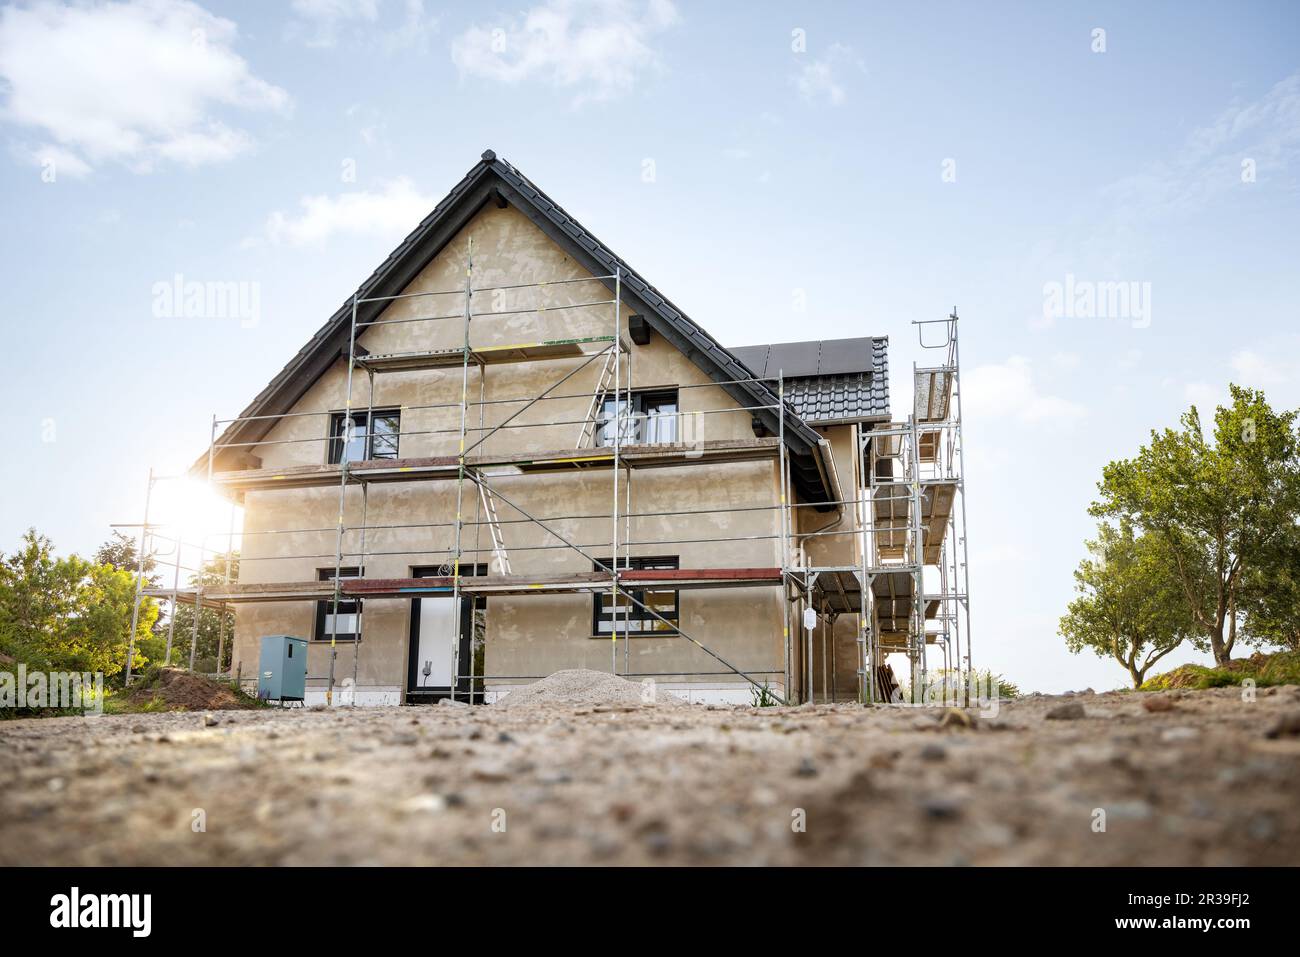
[(1218, 506), (1271, 594), (67, 613), (120, 551), (210, 620), (1130, 605)]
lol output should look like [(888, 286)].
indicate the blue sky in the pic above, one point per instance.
[(884, 162)]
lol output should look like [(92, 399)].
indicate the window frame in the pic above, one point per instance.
[(338, 444), (639, 399), (347, 606), (636, 613)]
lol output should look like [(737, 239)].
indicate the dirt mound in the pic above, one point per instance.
[(177, 690), (578, 687)]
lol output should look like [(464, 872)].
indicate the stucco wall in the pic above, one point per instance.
[(535, 635)]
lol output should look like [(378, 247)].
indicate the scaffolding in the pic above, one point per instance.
[(902, 506)]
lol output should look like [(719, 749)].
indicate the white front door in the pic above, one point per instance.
[(433, 666)]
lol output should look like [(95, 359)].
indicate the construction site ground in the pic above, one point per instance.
[(1183, 778)]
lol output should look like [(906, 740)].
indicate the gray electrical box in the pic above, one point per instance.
[(282, 668)]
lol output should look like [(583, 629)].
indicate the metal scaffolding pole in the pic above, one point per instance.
[(627, 559), (786, 692), (479, 504), (139, 580), (917, 556), (198, 575), (460, 472), (225, 581), (198, 610), (805, 635), (827, 621), (959, 461), (866, 657), (176, 585), (349, 427), (619, 418), (796, 566)]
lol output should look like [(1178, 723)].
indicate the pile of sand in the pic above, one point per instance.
[(579, 687), (180, 690)]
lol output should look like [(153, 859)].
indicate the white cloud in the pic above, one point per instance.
[(1129, 360), (392, 212), (1205, 397), (816, 80), (1065, 361), (1272, 366), (319, 23), (1252, 369), (56, 159), (1265, 132), (598, 47), (133, 83), (1007, 390), (1111, 234), (321, 20)]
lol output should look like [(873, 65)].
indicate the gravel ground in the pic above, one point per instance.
[(1200, 778)]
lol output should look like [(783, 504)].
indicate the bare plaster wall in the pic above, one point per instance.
[(533, 635)]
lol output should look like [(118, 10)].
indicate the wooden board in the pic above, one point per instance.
[(446, 466)]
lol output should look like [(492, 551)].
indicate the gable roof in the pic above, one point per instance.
[(494, 180), (827, 381)]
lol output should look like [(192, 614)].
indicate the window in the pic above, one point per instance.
[(650, 417), (373, 436), (639, 621), (348, 620)]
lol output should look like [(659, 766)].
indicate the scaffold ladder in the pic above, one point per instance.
[(494, 527), (592, 421)]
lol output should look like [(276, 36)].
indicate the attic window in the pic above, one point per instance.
[(373, 435), (649, 417)]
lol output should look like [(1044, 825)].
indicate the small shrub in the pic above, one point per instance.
[(1279, 669)]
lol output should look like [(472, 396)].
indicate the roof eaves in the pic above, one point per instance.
[(697, 344)]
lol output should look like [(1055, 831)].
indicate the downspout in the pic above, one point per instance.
[(831, 479)]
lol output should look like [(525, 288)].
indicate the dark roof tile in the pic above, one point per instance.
[(832, 380)]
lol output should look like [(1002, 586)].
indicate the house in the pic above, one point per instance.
[(439, 487)]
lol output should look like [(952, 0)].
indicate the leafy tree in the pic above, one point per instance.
[(210, 619), (67, 614), (120, 551), (1219, 507), (1271, 594), (1130, 605)]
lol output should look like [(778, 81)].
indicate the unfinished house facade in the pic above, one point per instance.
[(508, 454)]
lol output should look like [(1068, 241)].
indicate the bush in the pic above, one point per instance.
[(1265, 670)]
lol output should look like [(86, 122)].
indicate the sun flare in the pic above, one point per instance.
[(189, 509)]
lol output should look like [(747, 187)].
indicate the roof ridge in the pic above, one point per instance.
[(437, 229)]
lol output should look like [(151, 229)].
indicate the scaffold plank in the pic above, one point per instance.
[(485, 355), (573, 583), (446, 466)]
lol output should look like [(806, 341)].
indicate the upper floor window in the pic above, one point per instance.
[(373, 435), (648, 417)]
